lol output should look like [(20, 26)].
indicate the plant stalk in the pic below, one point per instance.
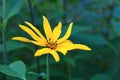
[(65, 10), (4, 10), (3, 30), (3, 35), (31, 11), (47, 67), (69, 73), (4, 48)]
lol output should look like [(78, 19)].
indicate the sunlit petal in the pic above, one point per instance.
[(56, 32), (65, 43), (79, 46), (64, 46), (62, 49), (30, 32), (68, 45), (67, 34), (47, 51), (55, 55), (41, 42), (35, 29), (47, 28), (22, 39)]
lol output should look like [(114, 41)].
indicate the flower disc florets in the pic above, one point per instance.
[(51, 45)]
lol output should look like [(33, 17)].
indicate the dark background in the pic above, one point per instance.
[(96, 24)]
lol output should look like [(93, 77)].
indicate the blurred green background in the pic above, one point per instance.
[(96, 24)]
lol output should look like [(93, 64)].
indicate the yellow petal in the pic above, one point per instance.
[(47, 28), (65, 43), (55, 55), (63, 47), (42, 42), (47, 51), (30, 32), (56, 32), (67, 34), (35, 29), (79, 46), (68, 45), (22, 39)]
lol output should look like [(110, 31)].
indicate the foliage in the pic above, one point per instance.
[(16, 69), (96, 24)]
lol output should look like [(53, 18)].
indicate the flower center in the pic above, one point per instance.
[(51, 45)]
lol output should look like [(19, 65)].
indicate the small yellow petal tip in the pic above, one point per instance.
[(57, 60), (44, 17), (13, 38), (60, 23), (20, 25), (26, 22), (89, 49), (64, 54), (36, 55), (71, 23)]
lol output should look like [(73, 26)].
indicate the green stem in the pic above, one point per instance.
[(69, 73), (65, 10), (3, 35), (47, 69), (4, 52), (3, 29), (38, 65), (3, 10), (31, 11), (4, 48)]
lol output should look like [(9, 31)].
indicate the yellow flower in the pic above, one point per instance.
[(52, 42)]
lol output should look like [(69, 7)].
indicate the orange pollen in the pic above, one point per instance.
[(51, 45)]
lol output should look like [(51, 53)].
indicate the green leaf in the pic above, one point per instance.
[(116, 26), (12, 45), (0, 11), (101, 77), (42, 62), (90, 39), (70, 61), (77, 29), (13, 7), (77, 79), (57, 72), (0, 25), (116, 12), (16, 69), (42, 75)]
